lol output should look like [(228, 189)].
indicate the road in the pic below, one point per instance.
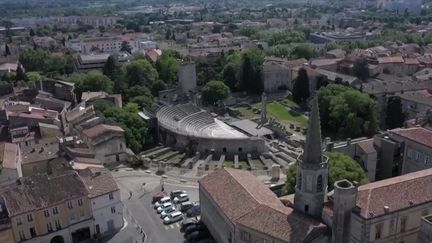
[(139, 211)]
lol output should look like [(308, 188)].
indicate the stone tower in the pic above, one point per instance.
[(187, 77), (264, 108), (344, 202), (312, 171)]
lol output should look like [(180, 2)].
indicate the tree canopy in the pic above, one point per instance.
[(92, 81), (214, 91), (347, 112), (167, 66), (139, 72), (300, 91), (340, 167), (128, 119), (394, 115)]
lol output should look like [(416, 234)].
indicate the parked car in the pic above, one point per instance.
[(167, 211), (198, 235), (164, 207), (185, 223), (162, 201), (195, 227), (186, 206), (173, 217), (158, 196), (181, 198), (194, 211), (176, 193)]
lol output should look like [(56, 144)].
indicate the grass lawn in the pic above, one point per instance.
[(279, 110), (229, 164), (258, 164)]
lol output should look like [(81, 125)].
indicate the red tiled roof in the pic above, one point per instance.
[(98, 181), (411, 61), (394, 59), (396, 193), (247, 201), (8, 155), (416, 134), (37, 192), (367, 146), (101, 129)]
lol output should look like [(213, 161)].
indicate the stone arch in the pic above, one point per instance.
[(57, 239)]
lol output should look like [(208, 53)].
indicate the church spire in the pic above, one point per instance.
[(312, 151)]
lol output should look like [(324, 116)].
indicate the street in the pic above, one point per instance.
[(139, 212)]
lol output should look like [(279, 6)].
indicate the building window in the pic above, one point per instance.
[(70, 205), (378, 229), (55, 210), (29, 217), (72, 217), (427, 159), (49, 227), (18, 220), (57, 224), (32, 232), (121, 146), (299, 183), (410, 153), (82, 214), (46, 213), (111, 196), (22, 235), (80, 202), (113, 209), (319, 183), (403, 224), (244, 236)]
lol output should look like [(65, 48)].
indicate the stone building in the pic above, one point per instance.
[(187, 77), (237, 207), (107, 142), (48, 209), (105, 200)]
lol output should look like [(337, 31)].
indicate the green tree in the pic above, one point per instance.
[(167, 67), (7, 50), (300, 91), (157, 86), (142, 101), (286, 37), (361, 69), (134, 127), (137, 90), (34, 60), (347, 112), (229, 74), (19, 74), (214, 91), (394, 115), (140, 72), (34, 77), (303, 51), (250, 72), (126, 47), (340, 166), (92, 81), (111, 67)]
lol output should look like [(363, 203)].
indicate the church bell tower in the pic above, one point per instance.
[(312, 170)]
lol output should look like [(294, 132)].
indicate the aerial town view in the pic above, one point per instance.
[(204, 121)]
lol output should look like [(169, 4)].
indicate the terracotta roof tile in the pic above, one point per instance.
[(409, 190), (416, 134), (246, 200), (41, 191), (101, 129), (98, 181)]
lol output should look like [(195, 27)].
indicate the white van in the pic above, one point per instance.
[(173, 217), (162, 201)]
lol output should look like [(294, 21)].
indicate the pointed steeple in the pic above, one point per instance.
[(312, 152)]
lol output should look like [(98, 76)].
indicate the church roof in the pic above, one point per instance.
[(245, 200)]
